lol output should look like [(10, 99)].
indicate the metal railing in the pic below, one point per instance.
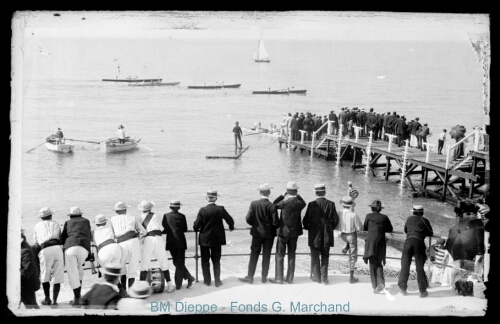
[(476, 133)]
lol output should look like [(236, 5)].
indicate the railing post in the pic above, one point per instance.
[(356, 131), (329, 127), (476, 139), (289, 140), (339, 143), (403, 168), (312, 143), (447, 157), (428, 149), (368, 151), (390, 141), (196, 256), (302, 134)]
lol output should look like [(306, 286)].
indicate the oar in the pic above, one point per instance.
[(251, 134), (35, 147), (146, 147), (82, 141)]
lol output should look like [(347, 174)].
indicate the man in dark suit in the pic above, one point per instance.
[(289, 230), (175, 225), (320, 220), (212, 236), (414, 132), (294, 128), (400, 130), (422, 138), (417, 228), (343, 119), (385, 125), (300, 124), (335, 125), (263, 217)]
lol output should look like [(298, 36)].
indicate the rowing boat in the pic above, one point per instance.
[(131, 79), (283, 91), (65, 147), (113, 144), (153, 84), (261, 131), (215, 86)]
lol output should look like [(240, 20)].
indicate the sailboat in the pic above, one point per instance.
[(261, 55)]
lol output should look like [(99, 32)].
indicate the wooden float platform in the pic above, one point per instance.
[(226, 152)]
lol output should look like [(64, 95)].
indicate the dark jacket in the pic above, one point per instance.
[(290, 224), (380, 121), (263, 217), (343, 118), (300, 123), (175, 225), (418, 227), (362, 118), (415, 128), (306, 124), (209, 224), (320, 220), (76, 232), (424, 131), (100, 296), (294, 124), (333, 118), (30, 275), (376, 224), (400, 126), (391, 121), (386, 120)]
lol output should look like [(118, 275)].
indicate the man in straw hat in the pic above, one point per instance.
[(320, 220), (175, 225), (289, 230), (59, 136), (263, 217), (108, 251), (376, 224), (417, 228), (136, 300), (107, 294), (76, 237), (349, 226), (153, 244), (212, 236), (128, 230), (120, 133), (47, 236)]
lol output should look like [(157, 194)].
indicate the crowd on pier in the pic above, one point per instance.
[(127, 245)]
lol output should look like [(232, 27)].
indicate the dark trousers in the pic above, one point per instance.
[(440, 146), (121, 140), (210, 253), (258, 244), (236, 139), (413, 248), (28, 298), (319, 266), (401, 139), (282, 244), (419, 139), (308, 135), (179, 261), (376, 133), (376, 272)]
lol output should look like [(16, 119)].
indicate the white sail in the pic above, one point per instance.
[(261, 54)]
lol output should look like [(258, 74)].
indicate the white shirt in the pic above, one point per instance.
[(103, 233), (349, 222), (125, 223), (120, 133), (46, 230), (442, 136), (155, 224)]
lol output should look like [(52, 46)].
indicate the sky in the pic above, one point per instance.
[(316, 25)]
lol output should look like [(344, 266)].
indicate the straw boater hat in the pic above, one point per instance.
[(347, 201), (140, 289), (212, 193), (44, 212), (264, 187), (292, 185), (376, 203), (121, 206), (112, 269), (100, 219), (175, 203), (319, 187), (146, 205), (418, 208), (441, 241), (74, 211)]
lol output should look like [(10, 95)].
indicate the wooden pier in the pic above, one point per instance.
[(226, 152), (435, 175)]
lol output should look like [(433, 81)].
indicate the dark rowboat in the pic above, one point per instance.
[(280, 92), (132, 80), (215, 86), (153, 84)]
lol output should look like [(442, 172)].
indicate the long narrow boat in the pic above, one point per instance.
[(114, 145), (66, 147), (282, 92), (215, 86), (153, 84), (132, 80), (261, 131)]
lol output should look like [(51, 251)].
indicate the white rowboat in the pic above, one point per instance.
[(67, 147), (114, 145)]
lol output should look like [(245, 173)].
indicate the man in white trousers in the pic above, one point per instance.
[(47, 235), (108, 251), (153, 244), (75, 239), (128, 230)]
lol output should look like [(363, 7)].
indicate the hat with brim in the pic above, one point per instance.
[(175, 203), (44, 212), (121, 206), (347, 201), (140, 289), (75, 211), (100, 219), (112, 269), (212, 193), (418, 208), (319, 187), (291, 185), (265, 187), (441, 241), (376, 204), (146, 205)]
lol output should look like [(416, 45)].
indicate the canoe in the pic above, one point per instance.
[(114, 145), (280, 92), (262, 131), (132, 80), (153, 84), (67, 147), (215, 86)]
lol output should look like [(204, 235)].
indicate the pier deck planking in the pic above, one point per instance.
[(226, 152)]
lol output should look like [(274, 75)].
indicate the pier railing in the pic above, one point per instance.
[(477, 134), (327, 124)]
